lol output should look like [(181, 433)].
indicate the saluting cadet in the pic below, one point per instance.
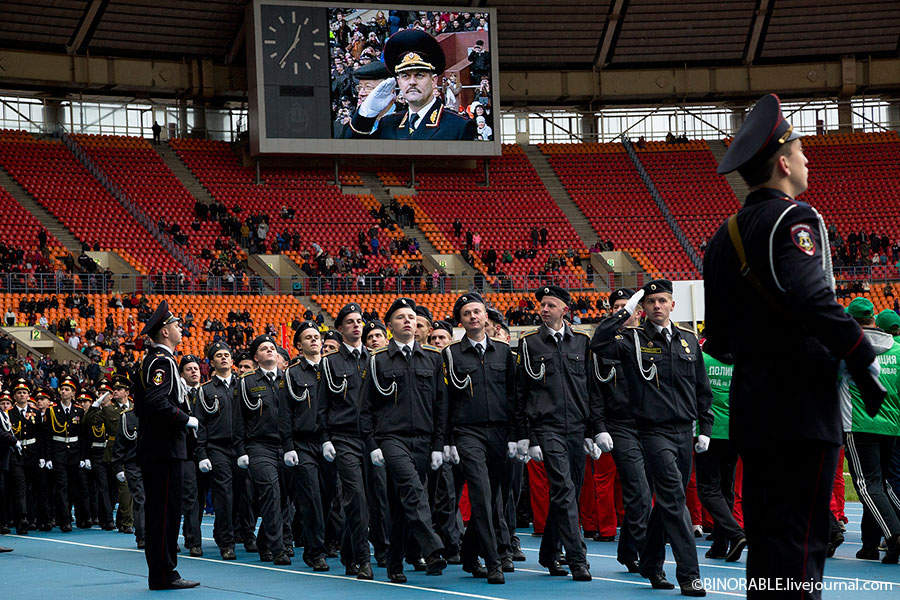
[(189, 371), (25, 468), (65, 452), (339, 395), (302, 442), (481, 375), (258, 444), (404, 414), (771, 311), (669, 391), (159, 401), (555, 421), (123, 461)]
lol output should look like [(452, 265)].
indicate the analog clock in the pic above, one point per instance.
[(294, 41)]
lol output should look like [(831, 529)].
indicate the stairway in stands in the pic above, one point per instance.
[(374, 186), (737, 184), (558, 192), (184, 175), (50, 223)]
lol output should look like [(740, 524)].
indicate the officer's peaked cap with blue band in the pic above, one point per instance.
[(764, 131)]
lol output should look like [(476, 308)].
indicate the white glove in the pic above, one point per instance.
[(243, 461), (121, 476), (511, 449), (634, 301), (522, 448), (437, 459), (291, 459), (41, 463), (87, 464), (49, 465), (596, 452), (328, 451), (18, 446), (535, 453), (454, 455), (378, 99), (193, 423), (446, 454), (588, 446), (605, 441), (80, 464), (702, 444), (205, 465), (377, 457)]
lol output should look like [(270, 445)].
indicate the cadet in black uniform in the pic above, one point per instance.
[(481, 390), (404, 415), (123, 461), (621, 439), (8, 445), (555, 421), (669, 391), (215, 444), (771, 311), (189, 371), (302, 442), (25, 468), (112, 417), (43, 494), (65, 451), (159, 402), (95, 441), (258, 443)]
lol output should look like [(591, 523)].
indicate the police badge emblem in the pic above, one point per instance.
[(802, 236)]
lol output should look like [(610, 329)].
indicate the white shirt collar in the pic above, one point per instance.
[(660, 328), (226, 381), (352, 348), (411, 345), (422, 112), (314, 365), (561, 331), (267, 373), (482, 343)]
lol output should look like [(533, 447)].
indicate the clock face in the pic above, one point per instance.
[(294, 42)]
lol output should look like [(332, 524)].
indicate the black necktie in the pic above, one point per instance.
[(479, 350), (413, 119), (558, 337), (355, 354), (406, 352), (271, 377)]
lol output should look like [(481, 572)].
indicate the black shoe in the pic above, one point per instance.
[(289, 550), (562, 559), (141, 544), (5, 549), (282, 559), (419, 564), (250, 546), (22, 528), (516, 550), (837, 538), (83, 525), (108, 526), (507, 566), (892, 554), (4, 529), (266, 556), (633, 566), (581, 573), (63, 528), (331, 550), (435, 564), (319, 564), (397, 577), (45, 527), (228, 553), (604, 538), (351, 570), (556, 569), (868, 554), (496, 576), (737, 548), (693, 588), (196, 551), (659, 582), (128, 530), (454, 559), (178, 584), (476, 569), (364, 573), (381, 561), (719, 549)]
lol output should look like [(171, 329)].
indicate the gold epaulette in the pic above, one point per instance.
[(499, 341), (691, 331), (330, 353), (527, 333), (249, 373), (378, 350), (430, 347)]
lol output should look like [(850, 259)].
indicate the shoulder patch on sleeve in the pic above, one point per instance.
[(580, 333), (158, 376), (802, 236)]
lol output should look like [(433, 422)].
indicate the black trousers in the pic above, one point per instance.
[(264, 472), (162, 481), (135, 482), (245, 509), (222, 483), (482, 459), (407, 461), (68, 486), (443, 497), (98, 488), (189, 505), (787, 517), (564, 464), (25, 489), (715, 486), (628, 455), (350, 461), (511, 495), (379, 509), (869, 456), (668, 455), (309, 498)]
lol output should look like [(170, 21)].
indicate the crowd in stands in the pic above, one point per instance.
[(861, 249)]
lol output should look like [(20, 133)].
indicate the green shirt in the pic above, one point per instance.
[(887, 421), (720, 383)]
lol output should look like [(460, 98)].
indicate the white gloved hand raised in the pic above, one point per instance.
[(377, 457), (437, 459), (41, 463), (121, 476), (632, 303), (378, 99), (80, 464), (535, 453), (328, 451), (205, 465), (446, 454), (702, 444), (604, 440), (291, 459), (243, 461)]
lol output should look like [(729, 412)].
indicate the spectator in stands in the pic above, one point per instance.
[(9, 318), (457, 227), (157, 131), (482, 131), (888, 290), (543, 234), (480, 60)]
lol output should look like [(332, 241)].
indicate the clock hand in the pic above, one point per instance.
[(292, 46)]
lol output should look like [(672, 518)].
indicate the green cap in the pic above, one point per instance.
[(887, 320), (861, 308)]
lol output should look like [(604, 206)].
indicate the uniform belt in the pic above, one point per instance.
[(98, 444), (29, 441), (65, 440)]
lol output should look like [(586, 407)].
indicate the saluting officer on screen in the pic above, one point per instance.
[(416, 60)]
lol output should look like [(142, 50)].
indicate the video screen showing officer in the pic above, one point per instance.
[(410, 74)]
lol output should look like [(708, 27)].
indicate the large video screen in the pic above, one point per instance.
[(372, 79)]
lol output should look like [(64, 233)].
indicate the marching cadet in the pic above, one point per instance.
[(96, 439), (619, 436), (441, 335), (8, 445), (258, 443), (404, 414), (42, 494), (189, 371), (555, 421), (768, 277), (25, 468), (374, 335), (244, 499), (65, 451), (331, 341), (481, 375), (112, 418), (160, 405), (669, 391), (123, 461), (215, 445), (339, 396), (302, 442)]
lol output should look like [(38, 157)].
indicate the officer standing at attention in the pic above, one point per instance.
[(257, 440), (159, 403), (669, 392), (555, 420), (302, 442), (771, 311), (215, 444), (95, 443), (481, 389), (25, 467), (8, 445), (404, 415)]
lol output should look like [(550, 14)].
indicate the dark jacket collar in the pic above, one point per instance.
[(765, 194), (548, 333)]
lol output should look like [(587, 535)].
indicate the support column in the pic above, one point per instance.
[(54, 116), (589, 129), (893, 114), (845, 116), (199, 130), (736, 118), (182, 117), (216, 126)]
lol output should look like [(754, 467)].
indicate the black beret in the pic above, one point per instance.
[(423, 312), (397, 305), (411, 49), (303, 327), (764, 131), (284, 353), (242, 356), (186, 360), (462, 301), (373, 71), (621, 294), (443, 325), (331, 334), (372, 325), (160, 317), (348, 309), (496, 316), (657, 286), (552, 290), (215, 347), (257, 342)]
